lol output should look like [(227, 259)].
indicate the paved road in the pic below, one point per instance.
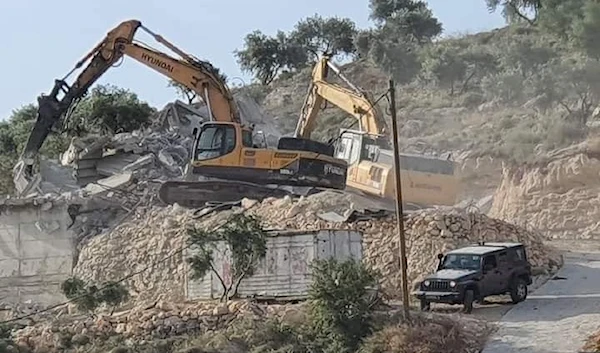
[(557, 317)]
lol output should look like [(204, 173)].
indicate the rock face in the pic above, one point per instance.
[(138, 246), (160, 232), (560, 198)]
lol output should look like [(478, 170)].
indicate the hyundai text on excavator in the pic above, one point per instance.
[(223, 159), (426, 181)]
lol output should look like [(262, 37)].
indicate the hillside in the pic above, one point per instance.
[(515, 104), (478, 120)]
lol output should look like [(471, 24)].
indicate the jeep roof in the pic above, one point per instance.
[(484, 248)]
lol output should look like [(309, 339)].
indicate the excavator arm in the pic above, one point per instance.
[(353, 101), (197, 75)]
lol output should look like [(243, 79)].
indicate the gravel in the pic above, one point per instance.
[(557, 317)]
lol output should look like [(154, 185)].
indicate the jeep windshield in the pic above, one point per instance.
[(461, 262)]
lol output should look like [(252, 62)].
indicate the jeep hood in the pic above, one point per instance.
[(451, 274)]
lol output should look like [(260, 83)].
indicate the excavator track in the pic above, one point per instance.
[(197, 194)]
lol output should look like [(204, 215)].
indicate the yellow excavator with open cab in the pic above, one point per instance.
[(426, 181), (224, 159)]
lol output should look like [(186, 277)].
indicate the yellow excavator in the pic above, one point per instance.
[(224, 161), (426, 181)]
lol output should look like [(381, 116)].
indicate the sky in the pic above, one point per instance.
[(43, 39)]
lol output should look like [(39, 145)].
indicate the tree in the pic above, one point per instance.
[(109, 110), (578, 87), (527, 55), (454, 64), (586, 29), (265, 57), (516, 10), (319, 35), (445, 65), (410, 18), (246, 241), (395, 55), (89, 297), (341, 303)]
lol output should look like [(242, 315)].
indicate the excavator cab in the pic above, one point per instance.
[(356, 146), (219, 139)]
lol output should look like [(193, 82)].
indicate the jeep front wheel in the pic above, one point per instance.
[(518, 291), (425, 305), (468, 301)]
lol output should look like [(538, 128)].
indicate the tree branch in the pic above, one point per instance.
[(564, 105), (220, 280), (466, 82), (241, 277), (515, 10)]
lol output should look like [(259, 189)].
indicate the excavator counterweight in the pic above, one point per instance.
[(224, 163)]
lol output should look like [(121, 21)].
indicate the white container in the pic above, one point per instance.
[(284, 273)]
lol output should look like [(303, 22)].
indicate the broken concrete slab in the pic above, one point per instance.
[(180, 117), (173, 158), (56, 178), (108, 184), (140, 163)]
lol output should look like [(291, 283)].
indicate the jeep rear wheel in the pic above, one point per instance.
[(425, 305), (468, 301), (518, 291)]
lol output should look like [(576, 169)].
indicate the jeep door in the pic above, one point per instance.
[(491, 282), (505, 267)]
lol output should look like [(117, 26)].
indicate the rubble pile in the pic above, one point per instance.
[(155, 155), (163, 320), (14, 311), (160, 232), (558, 197), (159, 152)]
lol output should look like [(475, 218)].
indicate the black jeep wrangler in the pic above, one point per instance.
[(472, 273)]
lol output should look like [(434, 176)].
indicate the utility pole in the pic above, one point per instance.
[(399, 209)]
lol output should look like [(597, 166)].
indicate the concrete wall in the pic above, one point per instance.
[(36, 252), (284, 273)]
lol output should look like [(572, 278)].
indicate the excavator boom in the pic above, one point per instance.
[(355, 102)]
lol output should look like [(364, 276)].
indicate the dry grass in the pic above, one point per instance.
[(429, 334)]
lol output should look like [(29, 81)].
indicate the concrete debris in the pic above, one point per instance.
[(160, 232), (183, 116), (139, 163), (56, 178), (173, 158), (110, 183)]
